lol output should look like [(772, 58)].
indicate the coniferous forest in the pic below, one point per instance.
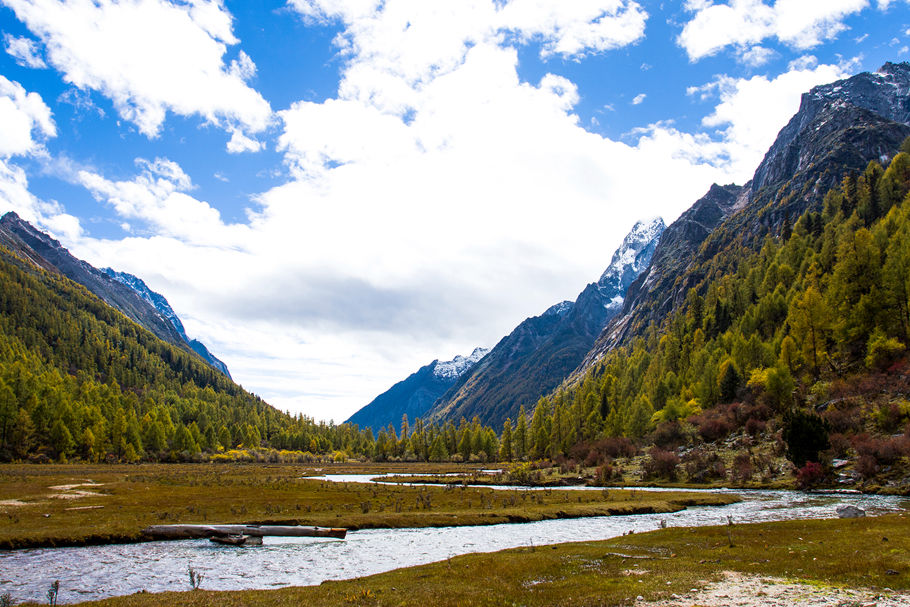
[(802, 340), (798, 338)]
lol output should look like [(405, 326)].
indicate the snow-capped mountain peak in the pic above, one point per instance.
[(457, 366), (632, 256)]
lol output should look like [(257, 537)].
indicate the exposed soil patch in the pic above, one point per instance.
[(70, 492), (741, 590)]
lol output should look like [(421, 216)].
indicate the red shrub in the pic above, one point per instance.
[(661, 464), (809, 475)]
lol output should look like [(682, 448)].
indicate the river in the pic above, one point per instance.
[(95, 572)]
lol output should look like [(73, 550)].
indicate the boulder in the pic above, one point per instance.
[(850, 512)]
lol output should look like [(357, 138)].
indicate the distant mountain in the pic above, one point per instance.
[(138, 304), (160, 303), (534, 358), (838, 128), (415, 395)]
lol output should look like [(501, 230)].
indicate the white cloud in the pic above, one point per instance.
[(24, 51), (240, 143), (756, 56), (752, 111), (150, 57), (639, 99), (796, 23), (433, 204), (158, 196), (575, 28), (22, 115), (802, 63)]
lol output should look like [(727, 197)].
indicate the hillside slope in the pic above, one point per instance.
[(538, 354)]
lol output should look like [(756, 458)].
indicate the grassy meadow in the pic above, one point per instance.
[(64, 505)]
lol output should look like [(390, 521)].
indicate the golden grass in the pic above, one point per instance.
[(114, 503)]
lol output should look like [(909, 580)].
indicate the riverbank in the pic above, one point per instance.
[(76, 505), (827, 559)]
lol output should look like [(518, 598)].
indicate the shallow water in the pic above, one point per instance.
[(95, 572)]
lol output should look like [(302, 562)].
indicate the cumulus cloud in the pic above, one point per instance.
[(755, 56), (24, 51), (639, 99), (27, 123), (24, 115), (575, 28), (150, 57), (742, 23), (158, 196), (432, 184)]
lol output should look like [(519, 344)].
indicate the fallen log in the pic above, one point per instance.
[(185, 532), (237, 540)]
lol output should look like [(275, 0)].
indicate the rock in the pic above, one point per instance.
[(850, 512)]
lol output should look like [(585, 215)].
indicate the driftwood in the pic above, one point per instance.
[(184, 532), (237, 540)]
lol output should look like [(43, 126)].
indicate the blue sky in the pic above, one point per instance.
[(332, 193)]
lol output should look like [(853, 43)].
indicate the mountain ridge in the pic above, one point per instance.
[(542, 350), (45, 252), (834, 133), (416, 394)]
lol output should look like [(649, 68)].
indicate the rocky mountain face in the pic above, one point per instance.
[(543, 350), (35, 246), (160, 303), (838, 128), (416, 394)]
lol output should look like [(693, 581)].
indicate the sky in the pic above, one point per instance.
[(333, 193)]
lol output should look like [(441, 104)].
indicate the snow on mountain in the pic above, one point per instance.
[(559, 309), (155, 299), (629, 260), (454, 368), (160, 303)]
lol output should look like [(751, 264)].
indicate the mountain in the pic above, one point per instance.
[(534, 358), (416, 394), (160, 303), (139, 305), (837, 130), (773, 320)]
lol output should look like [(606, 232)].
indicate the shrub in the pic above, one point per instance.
[(810, 475), (742, 467), (702, 466), (755, 426), (661, 464), (668, 435), (714, 429), (867, 467), (806, 434), (604, 474), (882, 351), (598, 452)]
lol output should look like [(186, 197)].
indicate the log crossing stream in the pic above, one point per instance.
[(95, 572)]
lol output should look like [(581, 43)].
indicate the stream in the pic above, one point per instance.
[(95, 572)]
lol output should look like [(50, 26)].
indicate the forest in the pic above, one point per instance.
[(799, 340), (806, 335), (79, 381)]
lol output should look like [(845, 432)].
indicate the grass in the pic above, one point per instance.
[(122, 500), (868, 552)]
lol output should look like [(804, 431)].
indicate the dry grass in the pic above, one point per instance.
[(113, 503)]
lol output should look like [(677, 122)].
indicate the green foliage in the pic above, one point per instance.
[(806, 435), (80, 380), (882, 350), (762, 325)]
